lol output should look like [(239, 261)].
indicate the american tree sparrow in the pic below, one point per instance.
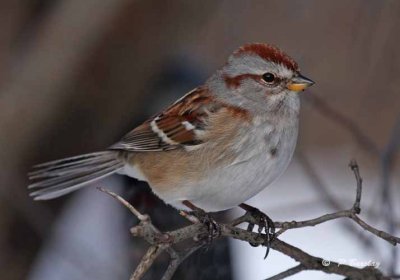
[(213, 149)]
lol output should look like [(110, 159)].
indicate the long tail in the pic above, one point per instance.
[(59, 177)]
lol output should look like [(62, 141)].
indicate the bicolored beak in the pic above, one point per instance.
[(299, 83)]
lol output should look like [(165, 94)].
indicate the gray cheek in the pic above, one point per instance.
[(253, 91)]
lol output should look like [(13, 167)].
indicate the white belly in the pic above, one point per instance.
[(256, 167)]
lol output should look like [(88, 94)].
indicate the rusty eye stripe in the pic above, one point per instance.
[(234, 82)]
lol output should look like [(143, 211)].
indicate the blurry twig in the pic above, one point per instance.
[(387, 158), (287, 273), (198, 232), (362, 139)]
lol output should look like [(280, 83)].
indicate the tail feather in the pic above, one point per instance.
[(56, 177), (51, 170), (63, 176), (52, 176), (71, 185), (74, 158)]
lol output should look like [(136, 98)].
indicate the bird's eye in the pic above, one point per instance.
[(268, 77)]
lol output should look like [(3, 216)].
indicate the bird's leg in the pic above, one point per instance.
[(264, 223), (214, 230)]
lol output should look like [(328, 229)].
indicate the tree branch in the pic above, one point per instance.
[(198, 232), (351, 214)]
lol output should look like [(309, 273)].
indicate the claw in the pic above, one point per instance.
[(213, 227), (266, 227)]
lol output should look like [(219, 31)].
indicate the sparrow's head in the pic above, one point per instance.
[(259, 74)]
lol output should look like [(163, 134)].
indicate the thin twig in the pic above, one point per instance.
[(148, 259), (387, 161), (354, 167), (126, 204), (287, 273), (175, 262), (384, 235), (324, 192), (284, 226)]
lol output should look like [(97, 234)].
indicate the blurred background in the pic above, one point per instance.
[(75, 76)]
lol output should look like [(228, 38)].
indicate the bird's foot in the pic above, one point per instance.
[(266, 227), (213, 228)]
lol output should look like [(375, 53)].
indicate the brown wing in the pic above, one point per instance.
[(180, 125)]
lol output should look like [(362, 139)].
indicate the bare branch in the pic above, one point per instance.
[(354, 167), (126, 204), (164, 242), (175, 262), (148, 259), (351, 214), (287, 273), (324, 192), (284, 226), (384, 235)]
